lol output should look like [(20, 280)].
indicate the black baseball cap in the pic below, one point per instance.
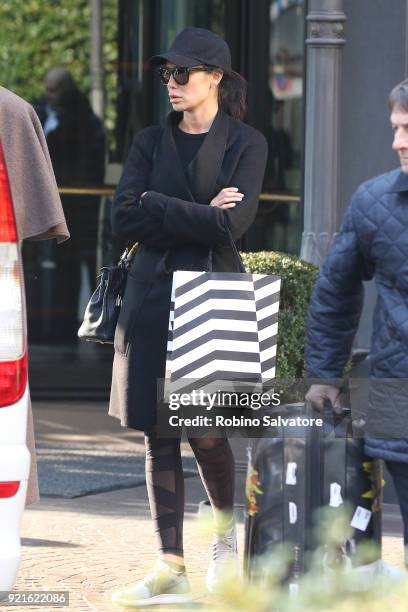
[(195, 46)]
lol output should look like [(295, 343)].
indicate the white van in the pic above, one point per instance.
[(14, 455)]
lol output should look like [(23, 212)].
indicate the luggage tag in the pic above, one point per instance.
[(293, 513), (291, 473), (336, 499), (361, 518)]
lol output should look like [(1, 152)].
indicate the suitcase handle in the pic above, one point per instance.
[(340, 423), (328, 410)]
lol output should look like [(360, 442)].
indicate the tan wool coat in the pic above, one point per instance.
[(37, 205)]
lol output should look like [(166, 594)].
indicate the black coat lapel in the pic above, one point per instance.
[(170, 173), (203, 171), (198, 183)]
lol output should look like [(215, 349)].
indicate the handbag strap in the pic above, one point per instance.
[(127, 256), (132, 250), (235, 252)]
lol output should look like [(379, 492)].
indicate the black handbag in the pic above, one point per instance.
[(102, 312)]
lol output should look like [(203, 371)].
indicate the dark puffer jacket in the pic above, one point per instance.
[(372, 242)]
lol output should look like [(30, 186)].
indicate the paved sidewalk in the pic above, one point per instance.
[(93, 545)]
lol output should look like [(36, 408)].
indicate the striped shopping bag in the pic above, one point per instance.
[(222, 331)]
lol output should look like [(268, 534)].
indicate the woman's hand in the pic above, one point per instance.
[(227, 198)]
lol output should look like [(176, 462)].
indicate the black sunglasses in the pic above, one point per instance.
[(180, 74)]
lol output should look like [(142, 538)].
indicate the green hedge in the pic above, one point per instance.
[(298, 278)]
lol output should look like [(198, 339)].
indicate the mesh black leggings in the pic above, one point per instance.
[(165, 483)]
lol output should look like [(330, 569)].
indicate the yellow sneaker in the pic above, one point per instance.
[(163, 585)]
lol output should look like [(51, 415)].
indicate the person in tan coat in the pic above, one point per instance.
[(37, 205)]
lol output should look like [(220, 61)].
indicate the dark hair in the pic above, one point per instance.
[(399, 96), (232, 94)]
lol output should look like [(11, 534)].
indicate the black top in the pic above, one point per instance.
[(187, 145)]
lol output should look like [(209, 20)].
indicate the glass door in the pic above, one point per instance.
[(276, 107), (266, 38)]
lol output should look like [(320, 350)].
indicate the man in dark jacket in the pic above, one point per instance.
[(76, 142), (372, 243)]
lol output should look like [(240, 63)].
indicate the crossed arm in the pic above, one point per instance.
[(165, 221)]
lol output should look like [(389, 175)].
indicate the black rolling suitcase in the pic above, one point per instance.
[(294, 471)]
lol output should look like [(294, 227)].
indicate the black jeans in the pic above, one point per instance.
[(399, 473)]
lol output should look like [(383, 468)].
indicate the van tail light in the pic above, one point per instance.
[(13, 352), (8, 228), (13, 380), (8, 489)]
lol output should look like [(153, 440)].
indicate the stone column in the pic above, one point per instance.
[(324, 43)]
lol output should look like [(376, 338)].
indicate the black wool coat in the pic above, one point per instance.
[(176, 230)]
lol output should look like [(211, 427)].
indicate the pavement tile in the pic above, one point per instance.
[(93, 545)]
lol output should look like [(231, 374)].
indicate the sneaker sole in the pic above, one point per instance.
[(169, 598)]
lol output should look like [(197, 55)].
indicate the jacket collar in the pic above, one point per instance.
[(400, 183), (202, 172)]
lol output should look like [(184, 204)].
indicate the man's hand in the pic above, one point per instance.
[(318, 394)]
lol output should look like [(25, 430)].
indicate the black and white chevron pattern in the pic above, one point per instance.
[(222, 327)]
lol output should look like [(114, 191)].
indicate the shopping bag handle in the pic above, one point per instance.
[(237, 256)]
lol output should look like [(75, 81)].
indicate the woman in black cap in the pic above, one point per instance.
[(187, 190)]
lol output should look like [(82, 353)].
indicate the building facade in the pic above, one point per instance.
[(323, 65)]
